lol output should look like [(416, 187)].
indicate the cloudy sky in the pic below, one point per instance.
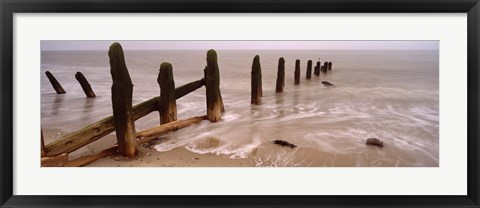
[(238, 45)]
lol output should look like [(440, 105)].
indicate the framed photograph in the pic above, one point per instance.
[(246, 104)]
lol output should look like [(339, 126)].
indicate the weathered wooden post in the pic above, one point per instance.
[(297, 72), (329, 65), (43, 153), (122, 89), (167, 106), (85, 85), (309, 69), (256, 83), (212, 85), (317, 69), (58, 88), (280, 75)]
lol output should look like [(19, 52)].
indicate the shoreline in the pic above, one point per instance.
[(177, 157)]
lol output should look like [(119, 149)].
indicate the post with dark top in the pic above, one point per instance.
[(280, 75), (317, 69), (85, 85), (122, 89), (297, 72), (256, 83), (58, 88), (309, 69), (212, 85), (324, 67), (329, 65), (167, 106)]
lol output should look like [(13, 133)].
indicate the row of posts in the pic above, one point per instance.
[(122, 96), (122, 90), (87, 89), (256, 82)]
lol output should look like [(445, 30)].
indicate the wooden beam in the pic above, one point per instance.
[(143, 137), (188, 88), (149, 134), (56, 161), (85, 160)]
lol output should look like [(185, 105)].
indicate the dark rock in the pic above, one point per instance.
[(284, 143), (328, 84), (375, 142)]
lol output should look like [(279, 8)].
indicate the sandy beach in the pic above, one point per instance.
[(148, 156)]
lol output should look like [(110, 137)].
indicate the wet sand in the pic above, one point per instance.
[(178, 157)]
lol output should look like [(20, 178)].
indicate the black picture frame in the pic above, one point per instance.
[(9, 7)]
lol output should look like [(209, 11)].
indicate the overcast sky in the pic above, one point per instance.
[(219, 45)]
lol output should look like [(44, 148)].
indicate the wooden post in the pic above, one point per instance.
[(256, 83), (212, 85), (280, 75), (95, 131), (330, 66), (167, 107), (324, 67), (58, 88), (317, 69), (297, 72), (122, 89), (42, 144), (143, 137), (309, 69), (85, 85)]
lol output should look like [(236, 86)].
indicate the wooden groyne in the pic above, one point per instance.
[(256, 75), (122, 122), (124, 114)]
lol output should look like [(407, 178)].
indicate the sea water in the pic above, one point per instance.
[(392, 95)]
